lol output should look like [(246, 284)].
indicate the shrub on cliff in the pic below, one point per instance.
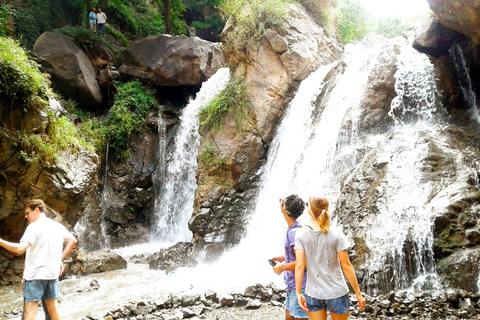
[(248, 20), (127, 116), (20, 79), (232, 100)]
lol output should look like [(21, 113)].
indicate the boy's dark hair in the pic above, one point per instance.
[(294, 205)]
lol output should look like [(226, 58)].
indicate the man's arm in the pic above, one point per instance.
[(18, 248), (71, 243)]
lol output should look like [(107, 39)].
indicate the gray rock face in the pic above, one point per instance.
[(124, 201), (82, 263), (171, 61), (459, 15), (448, 176), (433, 38), (72, 73)]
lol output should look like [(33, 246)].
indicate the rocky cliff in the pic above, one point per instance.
[(272, 69)]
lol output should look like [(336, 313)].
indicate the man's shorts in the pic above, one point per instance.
[(337, 306), (34, 290), (291, 304)]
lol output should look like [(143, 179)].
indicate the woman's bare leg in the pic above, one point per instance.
[(318, 315)]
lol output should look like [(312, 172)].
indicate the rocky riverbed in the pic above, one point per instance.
[(266, 303)]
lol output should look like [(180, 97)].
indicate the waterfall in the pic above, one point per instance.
[(174, 202), (300, 159), (461, 67), (311, 154), (104, 203)]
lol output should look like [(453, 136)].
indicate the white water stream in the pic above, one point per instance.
[(174, 203)]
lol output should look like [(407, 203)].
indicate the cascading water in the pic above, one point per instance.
[(174, 203), (300, 157), (458, 58), (304, 159), (400, 235), (304, 133)]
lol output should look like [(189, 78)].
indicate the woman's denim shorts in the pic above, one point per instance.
[(337, 306)]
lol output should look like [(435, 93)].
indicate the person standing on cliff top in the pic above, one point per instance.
[(101, 20), (93, 20), (291, 207), (43, 243)]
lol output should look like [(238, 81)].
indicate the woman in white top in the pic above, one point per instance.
[(324, 250)]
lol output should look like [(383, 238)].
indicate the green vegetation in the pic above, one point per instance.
[(6, 21), (232, 100), (61, 135), (354, 23), (22, 86), (208, 156), (21, 80), (117, 35), (136, 18), (127, 116), (214, 21), (250, 18), (89, 41)]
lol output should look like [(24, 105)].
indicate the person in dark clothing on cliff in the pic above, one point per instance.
[(291, 207)]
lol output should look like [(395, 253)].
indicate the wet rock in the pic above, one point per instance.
[(458, 15), (227, 301), (433, 38), (179, 255), (253, 304), (81, 262)]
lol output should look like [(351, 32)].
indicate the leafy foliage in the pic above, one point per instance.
[(354, 23), (21, 79), (232, 100), (61, 134), (89, 41), (135, 18), (127, 116), (250, 18), (6, 20)]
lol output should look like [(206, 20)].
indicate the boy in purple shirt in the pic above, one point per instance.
[(291, 207)]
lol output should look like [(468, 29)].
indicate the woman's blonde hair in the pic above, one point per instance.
[(319, 207)]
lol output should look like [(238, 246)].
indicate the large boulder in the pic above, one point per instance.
[(459, 15), (171, 61), (72, 73), (433, 38), (82, 263), (169, 259)]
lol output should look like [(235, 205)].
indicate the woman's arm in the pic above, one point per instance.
[(300, 265), (352, 278)]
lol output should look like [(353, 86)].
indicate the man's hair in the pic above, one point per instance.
[(36, 203), (294, 205)]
